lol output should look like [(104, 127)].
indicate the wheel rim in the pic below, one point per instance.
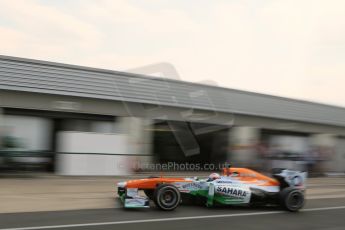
[(295, 200), (168, 198)]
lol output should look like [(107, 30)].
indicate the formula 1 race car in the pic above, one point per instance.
[(237, 186)]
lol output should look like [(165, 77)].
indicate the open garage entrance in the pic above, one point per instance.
[(185, 142)]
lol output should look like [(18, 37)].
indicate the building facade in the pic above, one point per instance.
[(84, 121)]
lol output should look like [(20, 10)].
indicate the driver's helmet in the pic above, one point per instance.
[(213, 176)]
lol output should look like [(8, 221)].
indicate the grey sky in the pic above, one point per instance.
[(288, 48)]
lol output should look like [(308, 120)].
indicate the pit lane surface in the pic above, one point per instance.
[(317, 214)]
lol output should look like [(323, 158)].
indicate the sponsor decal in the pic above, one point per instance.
[(192, 186), (136, 203), (224, 182), (230, 191)]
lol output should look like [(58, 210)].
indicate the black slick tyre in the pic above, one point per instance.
[(292, 199), (167, 197)]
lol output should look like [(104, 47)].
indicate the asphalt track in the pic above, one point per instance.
[(317, 214)]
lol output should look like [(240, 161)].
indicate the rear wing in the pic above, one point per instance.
[(294, 179)]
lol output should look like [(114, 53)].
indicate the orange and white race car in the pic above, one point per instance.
[(236, 186)]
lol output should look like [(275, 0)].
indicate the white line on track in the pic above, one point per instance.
[(168, 219), (319, 197)]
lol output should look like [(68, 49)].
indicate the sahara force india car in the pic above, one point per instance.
[(237, 186)]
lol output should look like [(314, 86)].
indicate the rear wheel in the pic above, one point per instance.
[(292, 199), (167, 197)]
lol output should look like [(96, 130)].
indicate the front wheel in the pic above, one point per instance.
[(292, 199), (167, 197)]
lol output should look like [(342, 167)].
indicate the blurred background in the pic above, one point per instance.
[(73, 120)]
